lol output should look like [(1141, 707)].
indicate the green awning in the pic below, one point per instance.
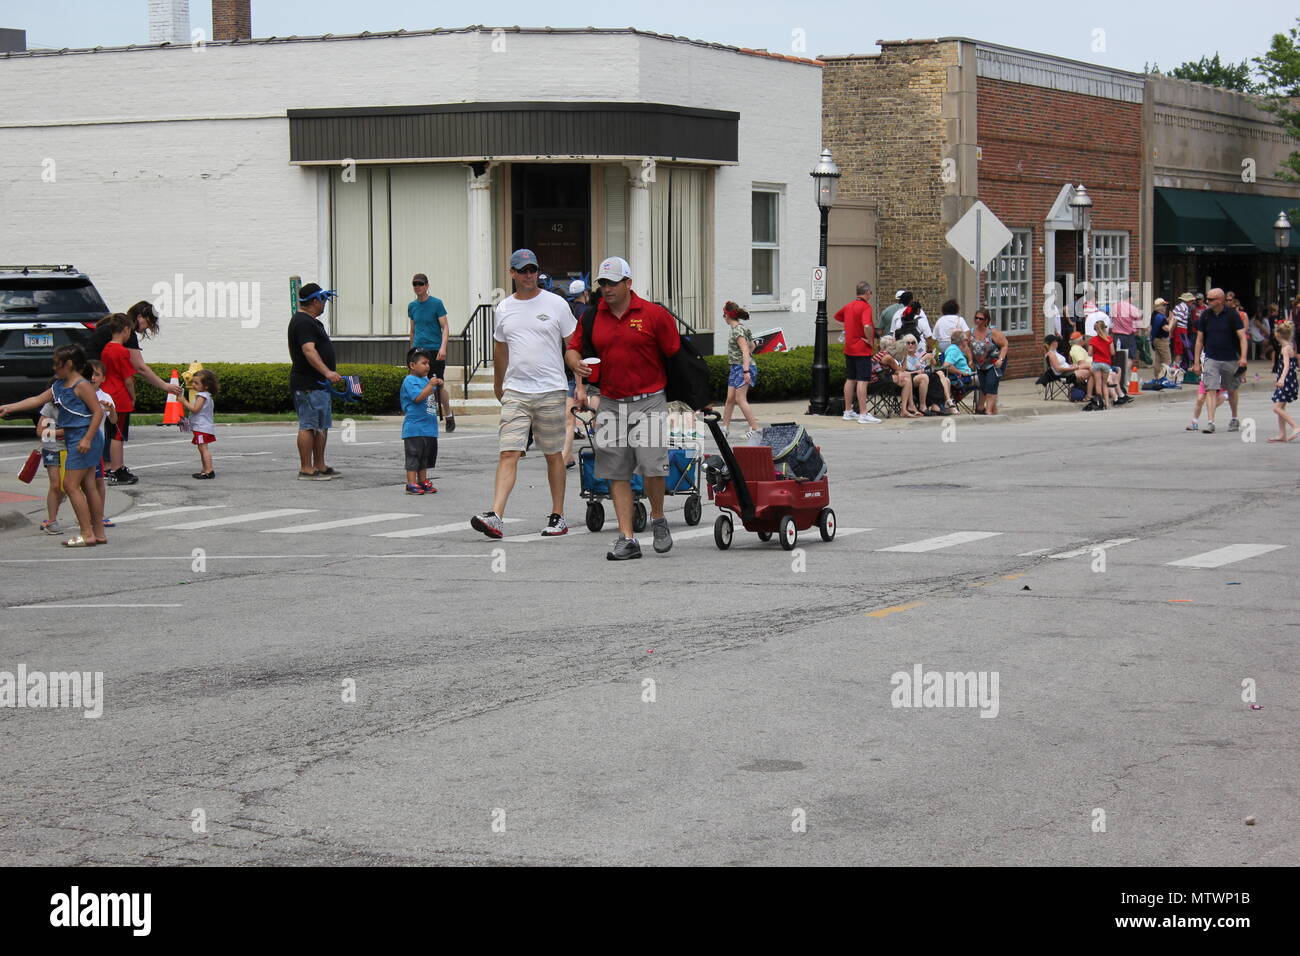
[(1194, 221), (1252, 219)]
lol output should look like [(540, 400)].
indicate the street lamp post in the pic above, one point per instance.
[(1282, 236), (1081, 214), (826, 178)]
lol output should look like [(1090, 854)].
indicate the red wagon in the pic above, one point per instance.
[(746, 484)]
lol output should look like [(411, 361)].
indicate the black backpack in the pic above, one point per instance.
[(688, 373), (908, 325)]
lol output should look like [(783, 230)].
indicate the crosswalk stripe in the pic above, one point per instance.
[(943, 541), (538, 536), (236, 519), (1229, 555), (1099, 546), (436, 529), (137, 515), (340, 523)]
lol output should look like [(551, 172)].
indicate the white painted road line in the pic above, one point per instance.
[(1221, 556), (25, 607), (340, 523), (236, 519), (943, 541), (1030, 554), (538, 536), (437, 529), (183, 557), (1099, 546), (137, 515), (157, 464)]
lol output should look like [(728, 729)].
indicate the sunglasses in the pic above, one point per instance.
[(606, 283), (528, 270), (418, 284)]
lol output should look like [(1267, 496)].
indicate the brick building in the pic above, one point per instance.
[(927, 127)]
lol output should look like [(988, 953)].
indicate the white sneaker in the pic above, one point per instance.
[(866, 418), (850, 415), (753, 434)]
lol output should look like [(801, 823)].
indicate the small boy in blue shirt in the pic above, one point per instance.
[(420, 422)]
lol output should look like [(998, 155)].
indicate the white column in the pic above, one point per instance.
[(1049, 273), (642, 174), (480, 236)]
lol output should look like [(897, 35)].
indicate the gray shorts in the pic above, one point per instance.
[(1217, 374), (315, 413), (632, 436)]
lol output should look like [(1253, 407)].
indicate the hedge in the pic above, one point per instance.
[(781, 375), (264, 387)]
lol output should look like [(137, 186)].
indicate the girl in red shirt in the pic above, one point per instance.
[(1099, 347), (119, 382)]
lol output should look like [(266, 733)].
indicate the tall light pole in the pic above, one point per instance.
[(1282, 236), (826, 177), (1081, 214)]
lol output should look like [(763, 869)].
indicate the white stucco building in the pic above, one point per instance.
[(227, 163)]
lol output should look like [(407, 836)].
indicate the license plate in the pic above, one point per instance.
[(38, 340)]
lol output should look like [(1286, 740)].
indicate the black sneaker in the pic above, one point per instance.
[(124, 477), (204, 474), (450, 422), (625, 549)]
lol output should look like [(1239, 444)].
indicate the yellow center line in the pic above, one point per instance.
[(886, 611), (1011, 577)]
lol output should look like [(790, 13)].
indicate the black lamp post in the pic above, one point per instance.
[(1282, 236), (1081, 214), (826, 177)]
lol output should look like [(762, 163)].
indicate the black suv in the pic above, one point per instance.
[(41, 308)]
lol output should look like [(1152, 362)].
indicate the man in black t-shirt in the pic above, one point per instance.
[(1221, 349), (312, 355)]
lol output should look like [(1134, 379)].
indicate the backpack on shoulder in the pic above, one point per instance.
[(688, 373)]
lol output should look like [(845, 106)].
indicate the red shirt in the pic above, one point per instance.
[(631, 349), (856, 317), (117, 369), (1100, 349)]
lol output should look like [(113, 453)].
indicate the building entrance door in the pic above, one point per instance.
[(551, 206)]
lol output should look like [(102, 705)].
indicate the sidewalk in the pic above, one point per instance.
[(1017, 398)]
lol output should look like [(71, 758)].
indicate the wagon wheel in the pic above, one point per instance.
[(595, 516), (693, 511), (789, 534), (826, 524), (722, 532), (639, 517), (765, 536)]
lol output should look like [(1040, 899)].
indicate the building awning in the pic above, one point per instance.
[(1193, 222), (473, 132)]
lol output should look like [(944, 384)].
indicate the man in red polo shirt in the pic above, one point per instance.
[(859, 344), (631, 337)]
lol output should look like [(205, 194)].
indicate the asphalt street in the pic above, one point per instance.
[(1125, 583)]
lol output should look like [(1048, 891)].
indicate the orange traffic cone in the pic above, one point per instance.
[(1134, 385), (172, 411)]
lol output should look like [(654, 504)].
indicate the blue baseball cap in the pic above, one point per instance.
[(312, 291), (523, 257)]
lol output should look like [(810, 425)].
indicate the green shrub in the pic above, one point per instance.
[(781, 375), (264, 387)]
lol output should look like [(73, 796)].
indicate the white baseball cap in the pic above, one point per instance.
[(614, 269), (577, 287), (899, 294)]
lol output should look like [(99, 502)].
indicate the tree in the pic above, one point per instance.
[(1279, 69), (1214, 72)]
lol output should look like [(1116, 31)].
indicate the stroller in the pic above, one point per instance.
[(683, 479)]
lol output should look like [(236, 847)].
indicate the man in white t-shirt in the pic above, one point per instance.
[(948, 323), (528, 367)]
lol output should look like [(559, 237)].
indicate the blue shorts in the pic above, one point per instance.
[(1101, 367), (315, 413), (49, 459), (736, 376), (857, 368), (76, 460), (571, 388)]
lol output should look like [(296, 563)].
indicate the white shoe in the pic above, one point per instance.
[(850, 415), (753, 434), (866, 418)]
